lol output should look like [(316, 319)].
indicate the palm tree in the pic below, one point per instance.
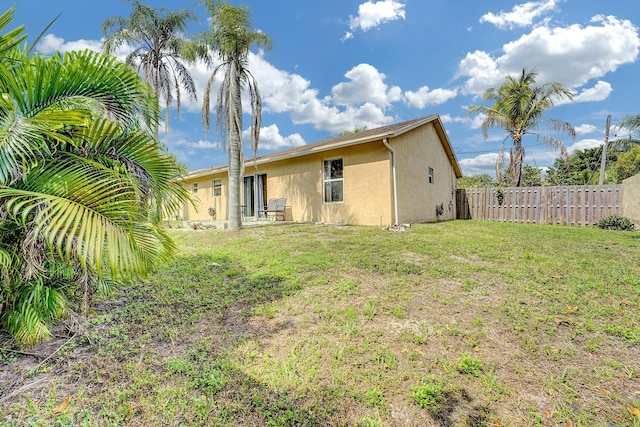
[(83, 183), (518, 109), (632, 123), (160, 49), (231, 37)]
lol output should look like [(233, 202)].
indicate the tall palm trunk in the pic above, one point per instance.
[(236, 162), (517, 159)]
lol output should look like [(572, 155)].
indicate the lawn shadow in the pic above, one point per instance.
[(185, 323)]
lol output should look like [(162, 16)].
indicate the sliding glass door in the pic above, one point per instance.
[(254, 194)]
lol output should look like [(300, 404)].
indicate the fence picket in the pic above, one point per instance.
[(572, 205)]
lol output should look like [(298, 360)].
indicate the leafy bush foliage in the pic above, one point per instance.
[(615, 222)]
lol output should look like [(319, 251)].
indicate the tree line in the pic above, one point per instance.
[(581, 168)]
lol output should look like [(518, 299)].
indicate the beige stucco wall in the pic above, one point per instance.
[(367, 183), (417, 151), (368, 187), (204, 198), (631, 199)]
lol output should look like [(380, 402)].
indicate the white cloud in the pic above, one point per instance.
[(270, 139), (360, 102), (584, 144), (424, 96), (574, 55), (585, 129), (366, 85), (327, 117), (483, 163), (50, 44), (284, 92), (482, 72), (201, 144), (599, 92), (522, 15), (373, 14), (474, 122), (571, 55)]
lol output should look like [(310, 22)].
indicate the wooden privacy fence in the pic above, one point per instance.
[(571, 205)]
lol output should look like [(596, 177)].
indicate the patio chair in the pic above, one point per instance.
[(276, 207)]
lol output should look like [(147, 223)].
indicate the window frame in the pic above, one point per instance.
[(217, 187), (330, 180), (430, 175), (194, 188)]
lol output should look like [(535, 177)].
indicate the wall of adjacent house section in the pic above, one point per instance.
[(367, 180), (367, 187), (631, 200), (204, 199), (417, 151), (366, 183)]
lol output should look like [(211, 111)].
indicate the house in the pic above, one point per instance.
[(395, 174)]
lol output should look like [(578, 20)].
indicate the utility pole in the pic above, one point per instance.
[(603, 161)]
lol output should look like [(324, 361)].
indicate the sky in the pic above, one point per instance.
[(341, 65)]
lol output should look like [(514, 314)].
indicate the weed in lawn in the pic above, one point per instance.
[(469, 365), (397, 312), (561, 385), (346, 287), (592, 345), (453, 330), (374, 397), (614, 364), (477, 322), (604, 372), (491, 384), (630, 371), (351, 328), (469, 285), (384, 358), (632, 335), (430, 394), (423, 333), (370, 309), (473, 338), (370, 422), (268, 310), (535, 417)]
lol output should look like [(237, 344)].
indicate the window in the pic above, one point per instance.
[(333, 181), (217, 187), (195, 187), (430, 176)]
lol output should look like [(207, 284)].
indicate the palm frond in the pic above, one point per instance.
[(83, 212), (12, 38)]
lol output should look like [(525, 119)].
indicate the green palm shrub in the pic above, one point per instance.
[(83, 182)]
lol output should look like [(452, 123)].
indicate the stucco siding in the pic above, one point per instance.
[(367, 183), (204, 199), (417, 151), (366, 180), (631, 199)]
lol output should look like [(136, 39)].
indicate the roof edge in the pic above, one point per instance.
[(328, 145)]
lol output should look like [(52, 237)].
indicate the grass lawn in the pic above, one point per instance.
[(458, 323)]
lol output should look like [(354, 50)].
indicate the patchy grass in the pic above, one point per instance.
[(456, 323)]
